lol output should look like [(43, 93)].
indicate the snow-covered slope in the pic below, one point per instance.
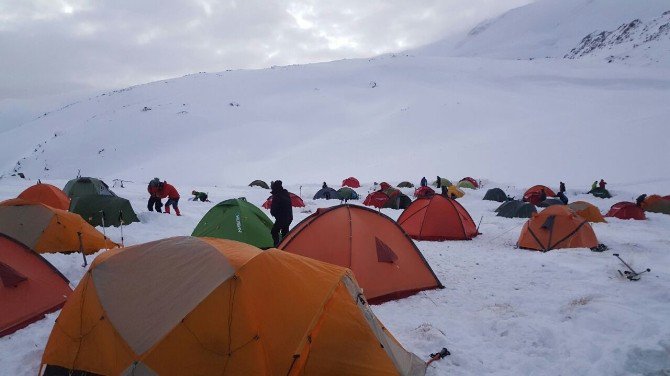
[(553, 28)]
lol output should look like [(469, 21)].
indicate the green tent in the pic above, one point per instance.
[(516, 209), (495, 194), (236, 219), (87, 186), (259, 183), (445, 182), (466, 184), (115, 209), (347, 193), (405, 184), (600, 193)]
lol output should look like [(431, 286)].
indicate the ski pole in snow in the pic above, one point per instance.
[(104, 233), (121, 222), (479, 224), (630, 274), (438, 355), (81, 249)]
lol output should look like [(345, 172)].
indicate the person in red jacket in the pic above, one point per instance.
[(602, 184), (169, 191)]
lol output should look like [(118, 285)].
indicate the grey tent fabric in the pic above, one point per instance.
[(495, 194), (405, 184), (549, 202), (328, 194), (516, 209), (259, 183), (24, 223)]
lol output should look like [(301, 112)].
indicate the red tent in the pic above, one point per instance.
[(437, 218), (351, 182), (471, 180), (424, 192), (30, 287), (377, 199), (296, 201), (533, 193), (626, 210)]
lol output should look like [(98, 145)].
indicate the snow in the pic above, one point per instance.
[(504, 311)]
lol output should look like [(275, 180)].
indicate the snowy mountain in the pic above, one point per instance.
[(394, 117), (571, 28)]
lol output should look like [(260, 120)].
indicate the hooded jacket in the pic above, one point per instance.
[(281, 207)]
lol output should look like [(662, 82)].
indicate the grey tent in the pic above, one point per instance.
[(549, 202), (516, 209), (259, 183), (328, 193), (495, 194), (405, 184), (347, 193)]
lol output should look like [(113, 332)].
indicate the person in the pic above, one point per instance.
[(561, 196), (281, 210), (169, 191), (594, 186), (602, 184), (154, 199), (324, 185), (439, 181), (424, 182), (640, 199), (561, 187), (543, 195), (202, 196), (445, 191)]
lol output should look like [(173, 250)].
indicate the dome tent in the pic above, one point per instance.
[(557, 227), (587, 211), (466, 184), (296, 201), (259, 183), (495, 194), (207, 309), (347, 193), (533, 194), (327, 193), (46, 194), (112, 210), (516, 209), (87, 186), (626, 210), (437, 218), (384, 260), (405, 184), (351, 182), (236, 219)]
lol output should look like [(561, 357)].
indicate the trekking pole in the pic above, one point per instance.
[(438, 355), (301, 191), (104, 233), (121, 222), (480, 223), (630, 274), (81, 249)]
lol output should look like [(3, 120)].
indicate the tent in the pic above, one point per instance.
[(390, 198), (472, 181), (516, 209), (557, 227), (626, 210), (327, 193), (236, 219), (202, 306), (347, 193), (444, 183), (296, 201), (466, 184), (46, 194), (587, 211), (600, 193), (550, 202), (656, 204), (46, 230), (495, 194), (377, 199), (351, 182), (454, 191), (405, 184), (424, 192), (386, 262), (87, 186), (437, 218), (30, 287), (113, 208), (259, 183), (533, 193)]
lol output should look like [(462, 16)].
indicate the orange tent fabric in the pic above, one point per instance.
[(30, 287), (386, 262), (296, 201), (437, 218), (46, 194), (587, 211), (45, 229), (656, 204), (557, 227), (205, 306)]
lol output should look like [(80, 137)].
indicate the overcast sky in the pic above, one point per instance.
[(61, 48)]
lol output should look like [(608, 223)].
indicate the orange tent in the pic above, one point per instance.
[(656, 204), (587, 211), (46, 194), (386, 262), (30, 287), (205, 306), (45, 229), (557, 227), (437, 218)]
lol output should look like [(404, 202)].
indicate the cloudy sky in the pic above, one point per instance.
[(54, 50)]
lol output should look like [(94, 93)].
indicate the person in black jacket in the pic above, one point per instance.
[(282, 211)]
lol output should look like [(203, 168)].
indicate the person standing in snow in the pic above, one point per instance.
[(424, 182), (281, 210), (561, 187), (602, 184), (169, 191), (561, 196), (154, 199)]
